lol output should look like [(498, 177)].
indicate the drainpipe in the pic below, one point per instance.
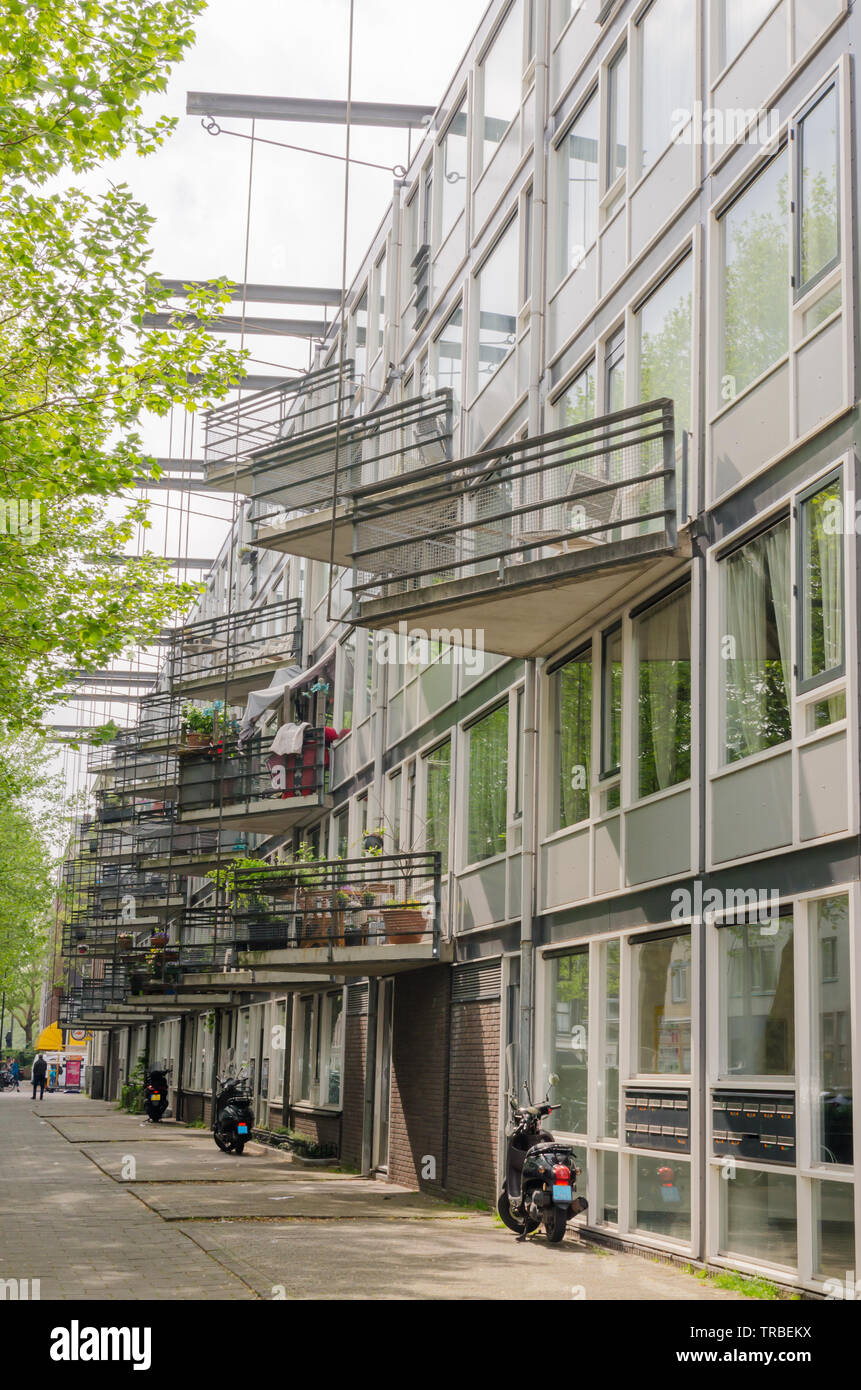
[(527, 876)]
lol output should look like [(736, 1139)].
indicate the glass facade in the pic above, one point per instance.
[(757, 983), (487, 809), (569, 1051), (662, 971)]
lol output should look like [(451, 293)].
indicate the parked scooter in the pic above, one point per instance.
[(234, 1118), (541, 1173), (155, 1093)]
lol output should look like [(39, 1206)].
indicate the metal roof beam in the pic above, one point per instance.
[(253, 323), (264, 294), (307, 110)]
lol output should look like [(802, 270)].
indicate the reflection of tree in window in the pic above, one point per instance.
[(488, 786), (755, 305), (822, 583), (832, 1028), (755, 644), (818, 160), (573, 696), (571, 1039), (663, 673), (438, 766)]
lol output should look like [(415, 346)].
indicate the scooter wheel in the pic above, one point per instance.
[(238, 1146), (223, 1143), (514, 1223), (555, 1224)]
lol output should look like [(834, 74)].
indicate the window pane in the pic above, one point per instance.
[(663, 675), (758, 997), (305, 1060), (663, 974), (740, 19), (668, 73), (348, 667), (502, 71), (578, 403), (573, 698), (834, 1230), (438, 764), (760, 1216), (361, 322), (454, 172), (608, 1173), (755, 645), (569, 1000), (330, 1082), (608, 1081), (756, 279), (662, 1196), (488, 786), (498, 304), (818, 155), (665, 322), (822, 582), (611, 711), (450, 357), (617, 118), (381, 303), (579, 212), (831, 978)]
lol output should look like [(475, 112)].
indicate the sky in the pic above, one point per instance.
[(196, 188)]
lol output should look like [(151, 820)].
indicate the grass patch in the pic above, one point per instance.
[(197, 1124), (749, 1286), (467, 1203)]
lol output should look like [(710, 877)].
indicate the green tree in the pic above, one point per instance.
[(79, 370)]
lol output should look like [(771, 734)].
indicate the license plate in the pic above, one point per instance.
[(562, 1192), (156, 1096), (241, 1129)]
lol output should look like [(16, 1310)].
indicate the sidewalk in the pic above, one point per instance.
[(97, 1204)]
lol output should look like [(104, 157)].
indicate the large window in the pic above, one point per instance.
[(662, 643), (608, 1077), (820, 570), (668, 73), (437, 800), (578, 403), (611, 701), (578, 155), (755, 644), (501, 74), (760, 1217), (570, 1039), (450, 357), (318, 1047), (757, 982), (453, 162), (617, 117), (360, 330), (831, 977), (665, 327), (739, 21), (572, 699), (755, 279), (487, 810), (498, 302), (663, 1028), (818, 225)]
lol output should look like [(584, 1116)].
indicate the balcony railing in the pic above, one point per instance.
[(542, 513), (210, 655), (238, 430), (240, 779)]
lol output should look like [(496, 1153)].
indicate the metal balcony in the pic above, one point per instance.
[(235, 433), (525, 542), (247, 787), (293, 483), (190, 851), (227, 657)]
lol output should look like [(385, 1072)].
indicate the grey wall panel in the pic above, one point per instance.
[(482, 896), (752, 809), (435, 689), (658, 839), (812, 18), (665, 188), (613, 251), (515, 862), (824, 788), (608, 856), (573, 302), (564, 870), (757, 71), (820, 374), (747, 436)]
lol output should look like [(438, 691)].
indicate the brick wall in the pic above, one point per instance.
[(353, 1090), (419, 1075), (321, 1126), (473, 1107)]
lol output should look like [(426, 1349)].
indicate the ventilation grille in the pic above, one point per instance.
[(477, 980), (357, 999)]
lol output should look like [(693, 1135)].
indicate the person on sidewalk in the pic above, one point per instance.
[(39, 1072), (15, 1072)]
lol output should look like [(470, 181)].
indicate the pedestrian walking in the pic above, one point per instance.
[(15, 1072), (39, 1072)]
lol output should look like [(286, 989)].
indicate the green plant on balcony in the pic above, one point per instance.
[(199, 725)]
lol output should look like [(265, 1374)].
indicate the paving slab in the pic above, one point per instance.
[(98, 1129), (195, 1160), (464, 1259), (292, 1199)]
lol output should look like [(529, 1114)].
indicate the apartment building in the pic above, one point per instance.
[(553, 555)]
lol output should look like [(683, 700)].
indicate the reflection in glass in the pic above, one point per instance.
[(741, 18), (438, 765), (608, 1082), (758, 997), (665, 322), (502, 71), (663, 675), (454, 172), (569, 996), (668, 74), (822, 582), (608, 1176), (756, 644), (498, 303), (662, 1195), (754, 298), (617, 117), (579, 191), (832, 1029), (818, 154), (488, 786), (760, 1216), (662, 970), (450, 358), (834, 1230), (611, 702), (572, 685)]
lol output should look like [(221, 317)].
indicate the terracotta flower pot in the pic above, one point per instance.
[(405, 926)]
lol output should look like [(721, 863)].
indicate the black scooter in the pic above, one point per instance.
[(540, 1177), (155, 1093), (234, 1118)]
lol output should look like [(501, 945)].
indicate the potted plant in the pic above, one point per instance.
[(159, 939), (198, 725), (404, 922)]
